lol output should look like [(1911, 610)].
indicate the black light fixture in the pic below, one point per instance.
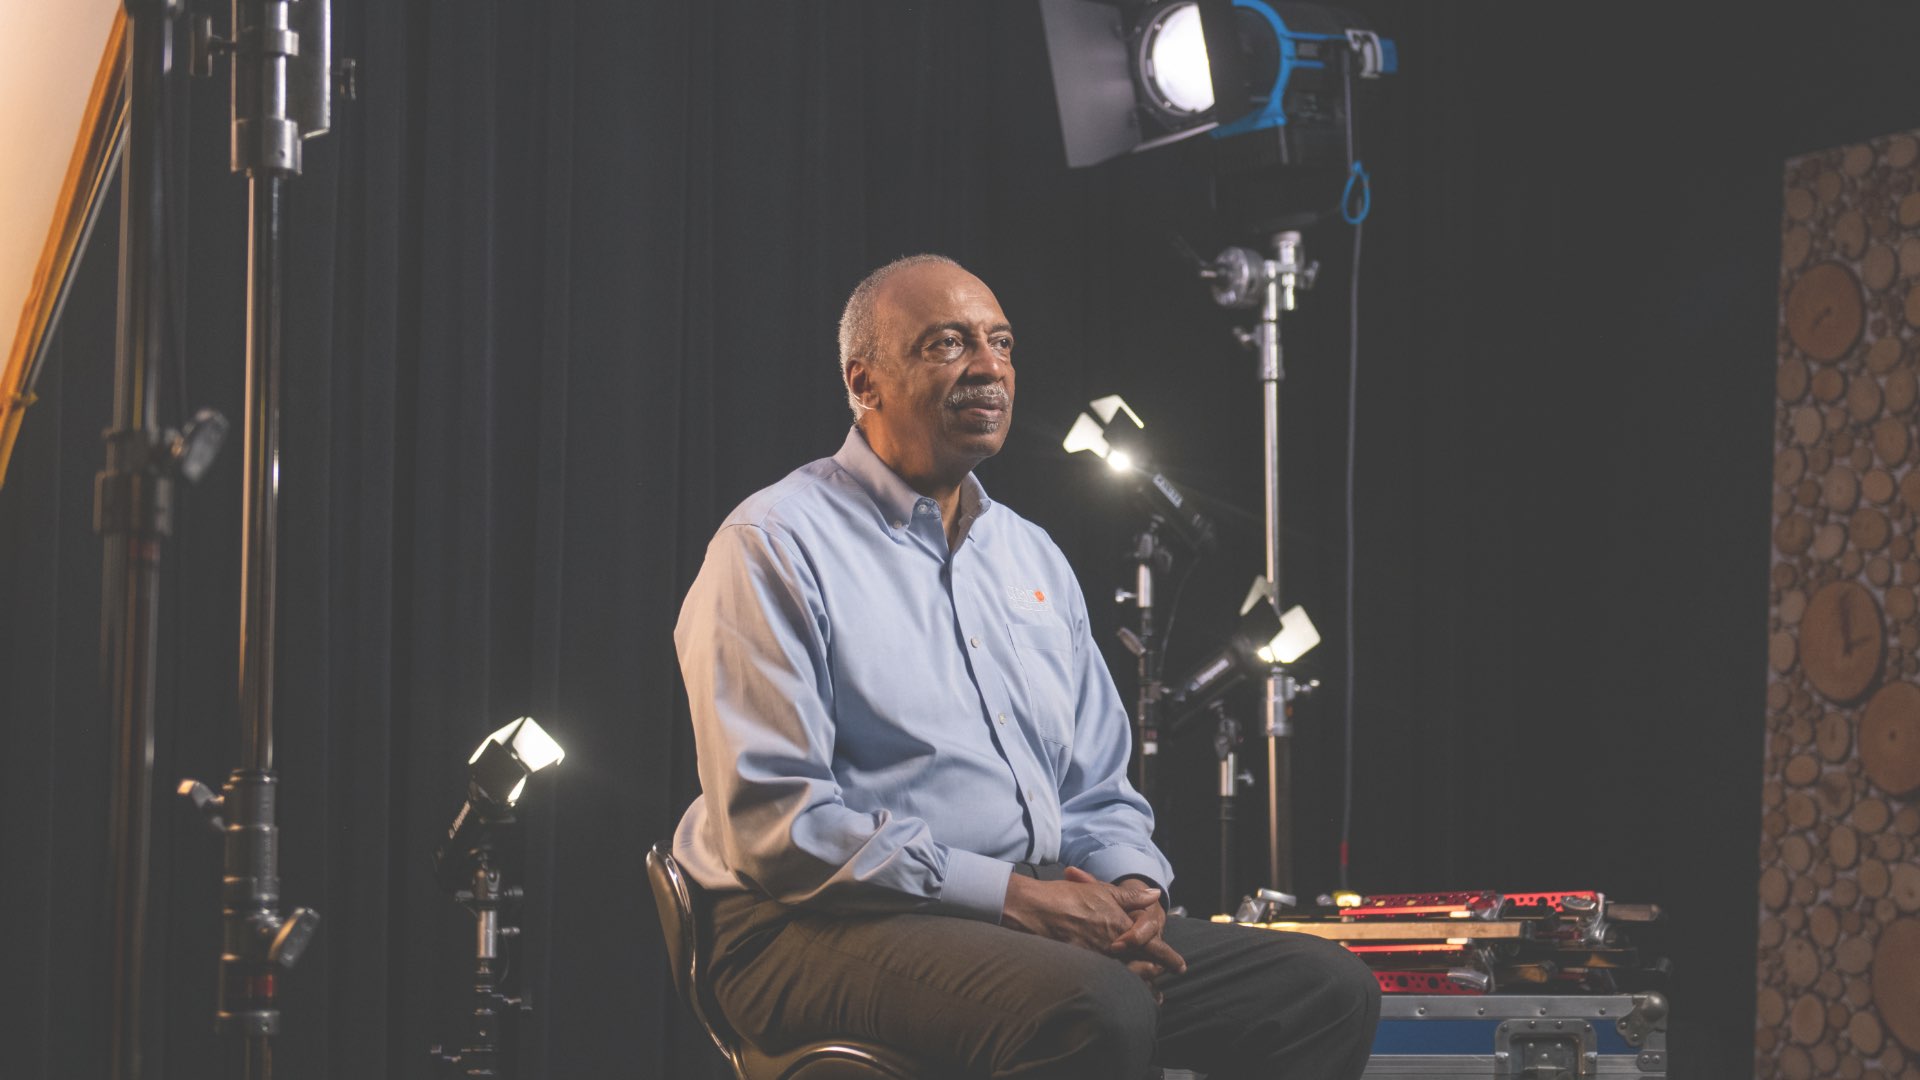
[(497, 775), (1112, 432), (506, 759), (1131, 79), (1263, 639)]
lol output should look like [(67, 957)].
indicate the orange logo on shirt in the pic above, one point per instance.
[(1027, 599)]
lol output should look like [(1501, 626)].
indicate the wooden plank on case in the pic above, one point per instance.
[(1410, 930)]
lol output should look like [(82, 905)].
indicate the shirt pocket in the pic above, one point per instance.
[(1045, 652)]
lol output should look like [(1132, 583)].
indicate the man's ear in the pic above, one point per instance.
[(861, 383)]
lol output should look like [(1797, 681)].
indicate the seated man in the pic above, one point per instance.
[(916, 818)]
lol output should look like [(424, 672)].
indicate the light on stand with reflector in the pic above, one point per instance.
[(1265, 638), (1262, 645), (1112, 431), (1090, 434), (1122, 446), (466, 864)]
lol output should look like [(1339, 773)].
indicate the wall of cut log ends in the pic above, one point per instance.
[(1839, 948)]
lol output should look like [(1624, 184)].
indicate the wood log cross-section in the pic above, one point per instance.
[(1825, 312), (1841, 641), (1890, 739), (1896, 980)]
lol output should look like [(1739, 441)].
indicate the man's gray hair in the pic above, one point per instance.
[(860, 331)]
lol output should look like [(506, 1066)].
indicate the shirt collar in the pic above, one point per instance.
[(891, 494)]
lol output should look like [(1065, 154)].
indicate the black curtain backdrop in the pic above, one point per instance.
[(564, 282)]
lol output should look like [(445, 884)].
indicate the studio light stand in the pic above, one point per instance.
[(280, 61), (1226, 747), (1242, 278), (490, 902), (133, 509), (1150, 557)]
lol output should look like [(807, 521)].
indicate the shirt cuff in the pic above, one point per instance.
[(975, 886), (1114, 863), (1150, 883)]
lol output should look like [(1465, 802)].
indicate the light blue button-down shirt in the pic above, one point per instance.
[(884, 724)]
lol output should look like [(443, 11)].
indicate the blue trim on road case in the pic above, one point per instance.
[(1475, 1036)]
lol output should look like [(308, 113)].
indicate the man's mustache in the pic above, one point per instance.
[(990, 397)]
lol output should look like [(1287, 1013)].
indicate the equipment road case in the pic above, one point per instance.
[(1520, 1037)]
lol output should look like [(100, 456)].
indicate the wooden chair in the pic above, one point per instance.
[(683, 918)]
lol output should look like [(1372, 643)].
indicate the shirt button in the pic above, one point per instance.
[(974, 641), (1003, 718)]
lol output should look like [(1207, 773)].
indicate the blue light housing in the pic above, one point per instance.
[(1309, 42)]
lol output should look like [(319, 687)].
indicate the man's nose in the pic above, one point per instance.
[(985, 364)]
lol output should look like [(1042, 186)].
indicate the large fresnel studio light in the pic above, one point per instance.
[(1130, 79)]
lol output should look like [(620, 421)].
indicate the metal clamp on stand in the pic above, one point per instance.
[(490, 902), (256, 942)]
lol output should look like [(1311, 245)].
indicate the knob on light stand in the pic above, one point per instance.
[(468, 865)]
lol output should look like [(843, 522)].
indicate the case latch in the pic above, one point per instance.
[(1545, 1050), (1649, 1015)]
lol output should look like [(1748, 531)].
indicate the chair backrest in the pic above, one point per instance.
[(682, 908)]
